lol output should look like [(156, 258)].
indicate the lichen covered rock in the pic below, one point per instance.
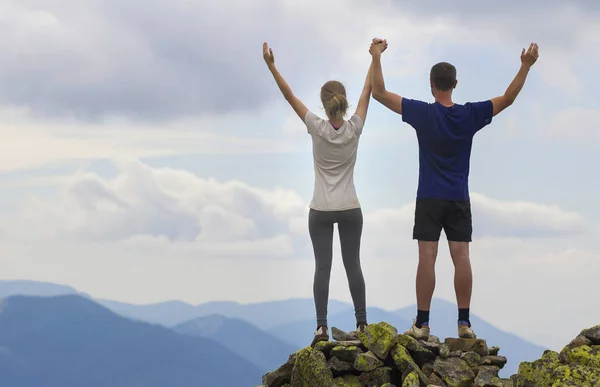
[(310, 369), (366, 362), (347, 381), (347, 354), (593, 334), (454, 372), (379, 338)]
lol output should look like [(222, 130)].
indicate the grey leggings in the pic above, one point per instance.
[(320, 226)]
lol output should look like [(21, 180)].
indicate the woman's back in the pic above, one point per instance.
[(334, 154)]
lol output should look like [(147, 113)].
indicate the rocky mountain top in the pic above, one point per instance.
[(380, 357)]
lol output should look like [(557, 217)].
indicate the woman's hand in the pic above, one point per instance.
[(268, 55)]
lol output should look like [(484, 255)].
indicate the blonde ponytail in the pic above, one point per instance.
[(333, 97)]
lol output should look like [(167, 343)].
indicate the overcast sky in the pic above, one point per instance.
[(147, 154)]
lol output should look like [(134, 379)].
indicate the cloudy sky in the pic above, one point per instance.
[(147, 155)]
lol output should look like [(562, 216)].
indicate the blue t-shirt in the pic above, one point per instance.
[(445, 137)]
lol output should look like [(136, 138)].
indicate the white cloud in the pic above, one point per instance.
[(575, 123), (203, 239)]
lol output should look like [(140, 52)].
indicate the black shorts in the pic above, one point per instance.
[(433, 215)]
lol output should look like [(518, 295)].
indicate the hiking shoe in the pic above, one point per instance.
[(361, 327), (466, 332), (321, 334), (418, 333)]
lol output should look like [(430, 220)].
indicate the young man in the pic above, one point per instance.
[(445, 133)]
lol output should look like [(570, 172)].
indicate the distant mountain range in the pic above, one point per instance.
[(70, 341), (265, 333), (242, 338)]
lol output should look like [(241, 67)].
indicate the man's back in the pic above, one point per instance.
[(445, 137)]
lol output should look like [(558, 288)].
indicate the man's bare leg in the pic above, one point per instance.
[(425, 285), (463, 276), (463, 285), (426, 274)]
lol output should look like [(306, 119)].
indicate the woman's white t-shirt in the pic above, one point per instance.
[(334, 154)]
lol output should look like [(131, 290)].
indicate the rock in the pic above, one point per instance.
[(593, 334), (585, 355), (340, 335), (347, 381), (310, 369), (412, 380), (408, 342), (435, 380), (427, 368), (356, 343), (468, 345), (280, 376), (454, 372), (498, 361), (325, 347), (494, 351), (550, 371), (366, 362), (379, 338), (472, 358), (433, 347), (488, 377), (388, 385), (347, 354), (434, 340), (376, 378), (444, 351), (579, 341), (338, 367), (455, 354)]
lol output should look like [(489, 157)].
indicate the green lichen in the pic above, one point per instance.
[(366, 362), (347, 381), (379, 338), (412, 380), (584, 355), (311, 369), (582, 369), (325, 346), (347, 354), (408, 342)]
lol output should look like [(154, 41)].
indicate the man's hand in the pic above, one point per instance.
[(529, 57), (268, 55), (378, 46)]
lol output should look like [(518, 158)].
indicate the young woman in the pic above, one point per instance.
[(335, 144)]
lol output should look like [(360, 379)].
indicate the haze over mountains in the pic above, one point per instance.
[(257, 337)]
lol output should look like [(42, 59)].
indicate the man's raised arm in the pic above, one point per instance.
[(388, 99), (528, 58)]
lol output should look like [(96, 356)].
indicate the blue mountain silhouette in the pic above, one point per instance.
[(70, 341)]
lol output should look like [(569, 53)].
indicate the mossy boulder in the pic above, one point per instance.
[(347, 354), (282, 375), (310, 369), (347, 381), (377, 377), (584, 355), (593, 334), (325, 347), (454, 372), (580, 369), (379, 338), (487, 376), (468, 345), (338, 367), (412, 380), (366, 362)]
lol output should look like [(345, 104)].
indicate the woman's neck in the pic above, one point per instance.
[(336, 123)]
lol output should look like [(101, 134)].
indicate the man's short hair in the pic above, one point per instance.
[(443, 76)]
